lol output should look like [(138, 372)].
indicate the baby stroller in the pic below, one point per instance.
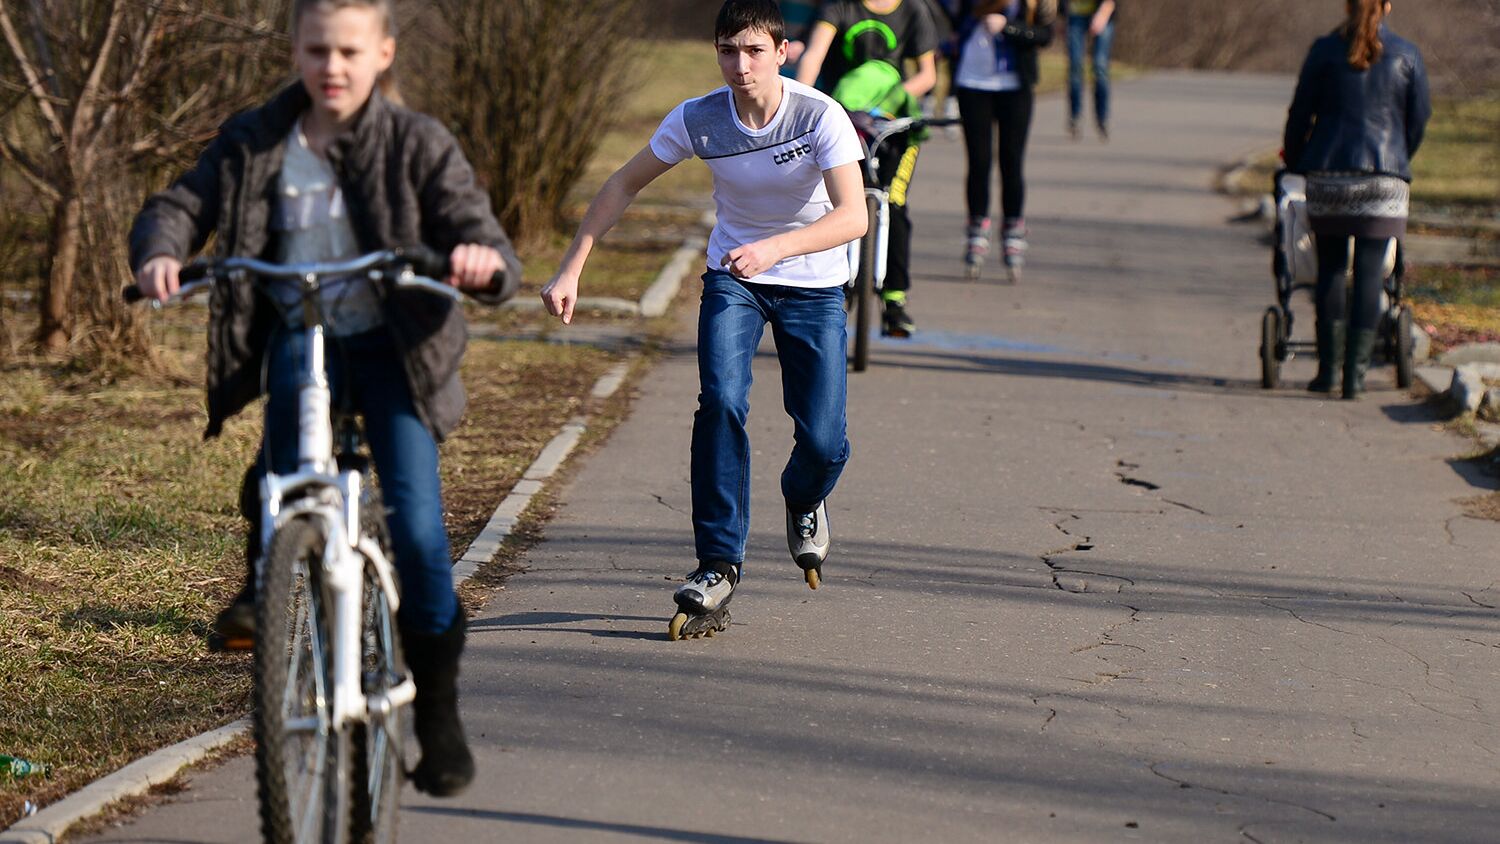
[(1295, 266)]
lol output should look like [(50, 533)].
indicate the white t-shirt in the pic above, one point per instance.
[(767, 181), (312, 224)]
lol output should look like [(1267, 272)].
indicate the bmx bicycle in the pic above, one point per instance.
[(331, 689), (867, 255)]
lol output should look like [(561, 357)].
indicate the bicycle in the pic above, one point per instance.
[(331, 689), (867, 255)]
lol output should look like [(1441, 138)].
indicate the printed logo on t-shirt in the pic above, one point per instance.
[(788, 156)]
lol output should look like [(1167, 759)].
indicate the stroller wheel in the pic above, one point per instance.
[(1271, 348), (1404, 346)]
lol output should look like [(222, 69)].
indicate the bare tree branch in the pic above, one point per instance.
[(33, 77), (145, 40), (85, 126), (28, 169)]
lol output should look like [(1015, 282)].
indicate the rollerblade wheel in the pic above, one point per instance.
[(972, 272), (813, 578), (685, 626)]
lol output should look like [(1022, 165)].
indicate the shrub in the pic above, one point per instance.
[(530, 87)]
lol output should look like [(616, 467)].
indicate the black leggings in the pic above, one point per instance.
[(1363, 306), (981, 111)]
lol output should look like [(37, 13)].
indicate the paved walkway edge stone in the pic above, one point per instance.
[(48, 825)]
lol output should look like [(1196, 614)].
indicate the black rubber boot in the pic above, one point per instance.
[(1332, 335), (234, 629), (1357, 361), (447, 767)]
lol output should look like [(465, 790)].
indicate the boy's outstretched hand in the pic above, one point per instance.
[(157, 278), (473, 266), (560, 295)]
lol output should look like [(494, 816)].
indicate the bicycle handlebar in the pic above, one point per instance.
[(882, 129), (424, 265)]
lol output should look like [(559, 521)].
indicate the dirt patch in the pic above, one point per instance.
[(22, 582)]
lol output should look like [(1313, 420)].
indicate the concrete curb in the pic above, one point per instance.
[(1439, 379), (46, 826), (138, 777)]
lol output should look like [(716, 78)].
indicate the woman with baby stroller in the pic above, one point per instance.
[(1356, 120)]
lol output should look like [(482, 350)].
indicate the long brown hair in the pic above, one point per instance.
[(1363, 32), (386, 82)]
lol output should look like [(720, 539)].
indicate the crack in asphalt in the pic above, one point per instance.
[(1181, 783), (663, 502), (1186, 506), (1477, 602), (1124, 477), (1426, 675)]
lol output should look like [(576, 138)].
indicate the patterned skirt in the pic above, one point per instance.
[(1357, 204)]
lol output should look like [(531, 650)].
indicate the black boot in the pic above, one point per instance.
[(1331, 340), (447, 767), (1357, 361)]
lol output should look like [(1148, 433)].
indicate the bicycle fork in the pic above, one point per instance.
[(332, 498), (880, 229)]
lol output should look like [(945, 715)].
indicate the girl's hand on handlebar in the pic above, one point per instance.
[(560, 295), (752, 259), (473, 265), (157, 278), (995, 24)]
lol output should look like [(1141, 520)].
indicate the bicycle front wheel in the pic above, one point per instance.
[(378, 760), (301, 761), (864, 289)]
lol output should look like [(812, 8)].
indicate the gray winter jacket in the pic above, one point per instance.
[(405, 182)]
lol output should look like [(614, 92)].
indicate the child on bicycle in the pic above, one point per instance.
[(788, 191), (331, 167), (846, 35)]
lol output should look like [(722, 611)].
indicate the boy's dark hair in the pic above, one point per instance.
[(736, 16)]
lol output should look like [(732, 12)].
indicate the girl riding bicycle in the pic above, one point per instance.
[(330, 167)]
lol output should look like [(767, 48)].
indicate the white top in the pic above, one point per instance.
[(312, 224), (980, 69), (770, 180)]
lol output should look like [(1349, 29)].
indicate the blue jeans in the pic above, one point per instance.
[(368, 375), (811, 344), (1078, 37)]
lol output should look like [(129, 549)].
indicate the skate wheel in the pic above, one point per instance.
[(674, 629), (813, 578), (971, 272), (1013, 274)]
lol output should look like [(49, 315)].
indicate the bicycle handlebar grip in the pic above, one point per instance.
[(192, 272), (435, 265), (424, 261)]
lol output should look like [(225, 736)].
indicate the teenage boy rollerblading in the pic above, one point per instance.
[(789, 195)]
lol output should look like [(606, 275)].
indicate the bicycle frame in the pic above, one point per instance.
[(882, 130)]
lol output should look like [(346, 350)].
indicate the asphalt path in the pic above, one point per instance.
[(1089, 582)]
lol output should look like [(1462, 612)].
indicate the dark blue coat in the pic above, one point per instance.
[(1352, 121)]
